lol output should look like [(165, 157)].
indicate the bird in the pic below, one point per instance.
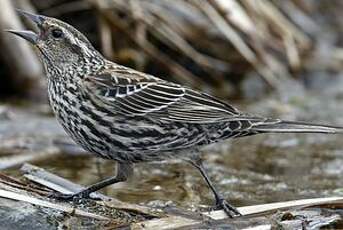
[(121, 114)]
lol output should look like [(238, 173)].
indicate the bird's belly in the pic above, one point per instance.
[(127, 139)]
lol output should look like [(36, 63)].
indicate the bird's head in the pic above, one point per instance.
[(60, 45)]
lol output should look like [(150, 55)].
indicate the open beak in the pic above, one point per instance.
[(29, 35), (26, 34)]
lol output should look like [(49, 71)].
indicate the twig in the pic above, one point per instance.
[(53, 181), (7, 182), (64, 208)]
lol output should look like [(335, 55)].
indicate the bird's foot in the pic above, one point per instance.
[(84, 194), (61, 196), (231, 211)]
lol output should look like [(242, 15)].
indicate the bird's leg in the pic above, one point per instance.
[(123, 172), (221, 203)]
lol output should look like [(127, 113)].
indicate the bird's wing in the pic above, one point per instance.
[(133, 93)]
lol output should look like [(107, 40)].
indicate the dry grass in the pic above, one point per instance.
[(207, 44)]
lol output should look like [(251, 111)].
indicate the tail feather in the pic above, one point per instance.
[(281, 126)]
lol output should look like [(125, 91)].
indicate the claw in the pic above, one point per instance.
[(230, 210), (70, 197), (63, 197)]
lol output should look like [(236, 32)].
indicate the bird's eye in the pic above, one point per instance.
[(57, 33)]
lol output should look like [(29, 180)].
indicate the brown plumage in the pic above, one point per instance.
[(124, 115)]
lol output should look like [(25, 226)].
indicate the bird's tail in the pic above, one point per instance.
[(280, 126)]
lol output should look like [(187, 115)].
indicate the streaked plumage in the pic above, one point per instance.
[(128, 116)]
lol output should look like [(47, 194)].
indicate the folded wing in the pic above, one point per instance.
[(137, 94)]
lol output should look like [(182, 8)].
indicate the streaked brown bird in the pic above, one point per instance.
[(128, 116)]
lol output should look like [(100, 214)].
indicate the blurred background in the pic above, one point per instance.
[(230, 48), (276, 58)]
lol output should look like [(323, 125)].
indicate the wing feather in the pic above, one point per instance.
[(138, 94)]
